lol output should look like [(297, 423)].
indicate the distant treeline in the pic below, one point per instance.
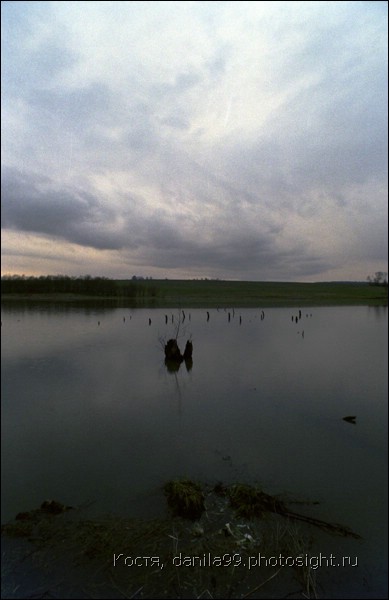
[(64, 284), (191, 293)]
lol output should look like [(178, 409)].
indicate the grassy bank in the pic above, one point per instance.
[(211, 293), (67, 554), (253, 293)]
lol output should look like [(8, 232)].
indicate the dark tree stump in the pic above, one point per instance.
[(188, 350), (174, 358), (172, 351)]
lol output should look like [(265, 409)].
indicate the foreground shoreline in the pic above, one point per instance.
[(59, 551)]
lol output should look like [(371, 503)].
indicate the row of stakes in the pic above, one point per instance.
[(208, 317), (295, 318)]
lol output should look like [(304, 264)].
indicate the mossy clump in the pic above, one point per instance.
[(220, 489), (18, 529), (248, 501), (185, 498)]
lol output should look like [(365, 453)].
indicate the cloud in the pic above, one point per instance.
[(227, 239), (242, 140), (35, 204)]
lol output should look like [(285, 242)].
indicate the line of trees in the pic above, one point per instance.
[(380, 278), (65, 284)]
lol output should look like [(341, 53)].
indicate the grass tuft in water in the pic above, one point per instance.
[(185, 498), (249, 501)]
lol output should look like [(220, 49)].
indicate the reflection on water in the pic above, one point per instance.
[(93, 410), (174, 365)]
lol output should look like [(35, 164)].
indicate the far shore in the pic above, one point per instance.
[(215, 293)]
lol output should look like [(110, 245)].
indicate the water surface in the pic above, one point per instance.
[(91, 413)]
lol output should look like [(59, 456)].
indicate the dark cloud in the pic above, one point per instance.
[(34, 203), (239, 256)]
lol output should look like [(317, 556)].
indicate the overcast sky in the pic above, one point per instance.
[(238, 140)]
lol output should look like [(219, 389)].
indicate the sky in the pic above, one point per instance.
[(231, 140)]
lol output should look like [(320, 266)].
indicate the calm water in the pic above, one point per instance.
[(91, 413)]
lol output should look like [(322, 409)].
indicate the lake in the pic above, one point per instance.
[(90, 412)]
